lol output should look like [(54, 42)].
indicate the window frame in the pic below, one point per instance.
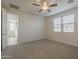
[(62, 24), (57, 24)]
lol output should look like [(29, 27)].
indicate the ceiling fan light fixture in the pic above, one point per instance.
[(45, 3), (38, 0), (44, 7)]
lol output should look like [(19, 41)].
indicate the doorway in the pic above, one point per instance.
[(12, 29)]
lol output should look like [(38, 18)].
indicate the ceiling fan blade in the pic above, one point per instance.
[(48, 10), (35, 4), (52, 5), (40, 10)]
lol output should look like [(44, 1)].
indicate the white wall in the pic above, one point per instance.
[(67, 38), (30, 27)]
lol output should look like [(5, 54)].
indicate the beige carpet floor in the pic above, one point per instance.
[(41, 49)]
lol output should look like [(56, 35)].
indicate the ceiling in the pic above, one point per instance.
[(27, 7)]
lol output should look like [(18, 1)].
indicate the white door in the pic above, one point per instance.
[(4, 29)]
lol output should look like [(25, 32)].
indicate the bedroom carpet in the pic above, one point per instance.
[(41, 49)]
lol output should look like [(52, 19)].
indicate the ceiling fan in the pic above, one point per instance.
[(44, 5)]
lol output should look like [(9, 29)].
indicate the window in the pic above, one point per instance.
[(11, 26), (65, 24), (68, 23), (57, 25)]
